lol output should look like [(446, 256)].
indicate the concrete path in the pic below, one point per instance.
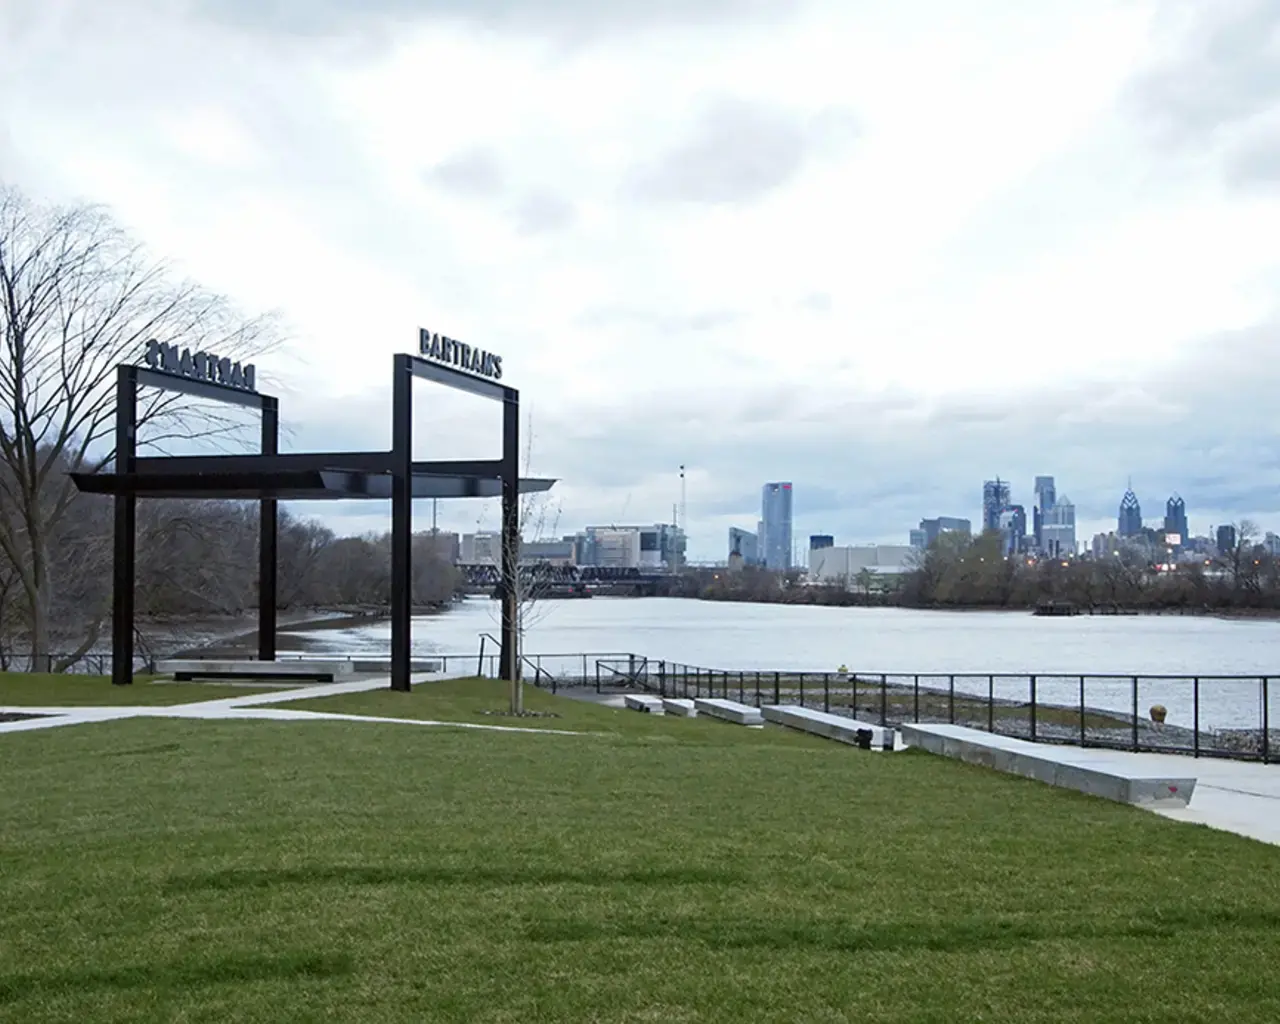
[(246, 708), (1235, 796)]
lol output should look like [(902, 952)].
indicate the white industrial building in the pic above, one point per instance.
[(844, 564)]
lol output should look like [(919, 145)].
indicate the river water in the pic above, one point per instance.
[(898, 641)]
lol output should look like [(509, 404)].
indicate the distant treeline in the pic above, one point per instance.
[(961, 572), (200, 559)]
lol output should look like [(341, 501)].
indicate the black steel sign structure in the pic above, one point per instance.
[(270, 477)]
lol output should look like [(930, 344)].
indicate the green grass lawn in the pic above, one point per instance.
[(26, 689), (468, 700), (659, 871)]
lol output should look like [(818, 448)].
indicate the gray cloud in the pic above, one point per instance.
[(1254, 163), (737, 152), (1224, 70), (868, 465), (476, 173), (543, 212), (563, 19)]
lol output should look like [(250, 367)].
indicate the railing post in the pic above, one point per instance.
[(742, 688), (884, 699), (991, 703), (1135, 712), (826, 693), (597, 675), (777, 688), (584, 670), (915, 687), (802, 689), (662, 678), (1033, 709), (1195, 721), (757, 687), (1266, 724), (853, 694), (951, 699), (1082, 713)]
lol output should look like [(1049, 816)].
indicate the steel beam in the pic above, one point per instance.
[(125, 530), (401, 522), (268, 539)]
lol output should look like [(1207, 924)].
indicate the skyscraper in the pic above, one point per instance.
[(1046, 498), (1013, 529), (1058, 531), (744, 544), (1226, 539), (995, 498), (1130, 519), (1175, 519), (775, 531)]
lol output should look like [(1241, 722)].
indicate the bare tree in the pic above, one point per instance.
[(538, 519), (78, 297)]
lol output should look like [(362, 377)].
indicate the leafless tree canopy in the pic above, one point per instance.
[(77, 298)]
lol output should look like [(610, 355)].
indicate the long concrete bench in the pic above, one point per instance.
[(729, 711), (643, 702), (833, 727), (1097, 772), (681, 706), (184, 670)]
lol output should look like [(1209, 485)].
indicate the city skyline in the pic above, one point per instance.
[(645, 248)]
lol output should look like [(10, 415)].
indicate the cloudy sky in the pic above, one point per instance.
[(881, 250)]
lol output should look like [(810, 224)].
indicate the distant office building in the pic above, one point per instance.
[(1105, 545), (776, 533), (1046, 498), (1012, 525), (918, 539), (550, 552), (1175, 522), (844, 565), (745, 545), (1272, 544), (658, 547), (1129, 521), (1226, 539), (1058, 530), (821, 540), (480, 549), (934, 528), (995, 499)]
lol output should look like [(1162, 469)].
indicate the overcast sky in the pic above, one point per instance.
[(881, 250)]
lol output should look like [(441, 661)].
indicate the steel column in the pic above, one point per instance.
[(510, 666), (401, 522), (125, 538), (268, 539)]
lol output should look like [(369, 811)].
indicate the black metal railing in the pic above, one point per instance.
[(1205, 716)]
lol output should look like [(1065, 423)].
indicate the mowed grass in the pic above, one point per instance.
[(29, 689), (660, 871), (485, 701)]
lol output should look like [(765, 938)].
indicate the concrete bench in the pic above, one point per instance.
[(681, 706), (382, 666), (643, 702), (1112, 775), (833, 727), (729, 711), (185, 670)]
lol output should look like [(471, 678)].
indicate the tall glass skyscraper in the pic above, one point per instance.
[(1129, 521), (775, 529), (995, 499), (1046, 498), (1175, 519)]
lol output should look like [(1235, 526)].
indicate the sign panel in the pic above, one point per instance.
[(165, 357), (449, 352)]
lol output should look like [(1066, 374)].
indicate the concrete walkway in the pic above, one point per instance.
[(247, 708)]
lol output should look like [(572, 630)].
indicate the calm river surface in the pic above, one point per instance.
[(752, 637), (726, 635)]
